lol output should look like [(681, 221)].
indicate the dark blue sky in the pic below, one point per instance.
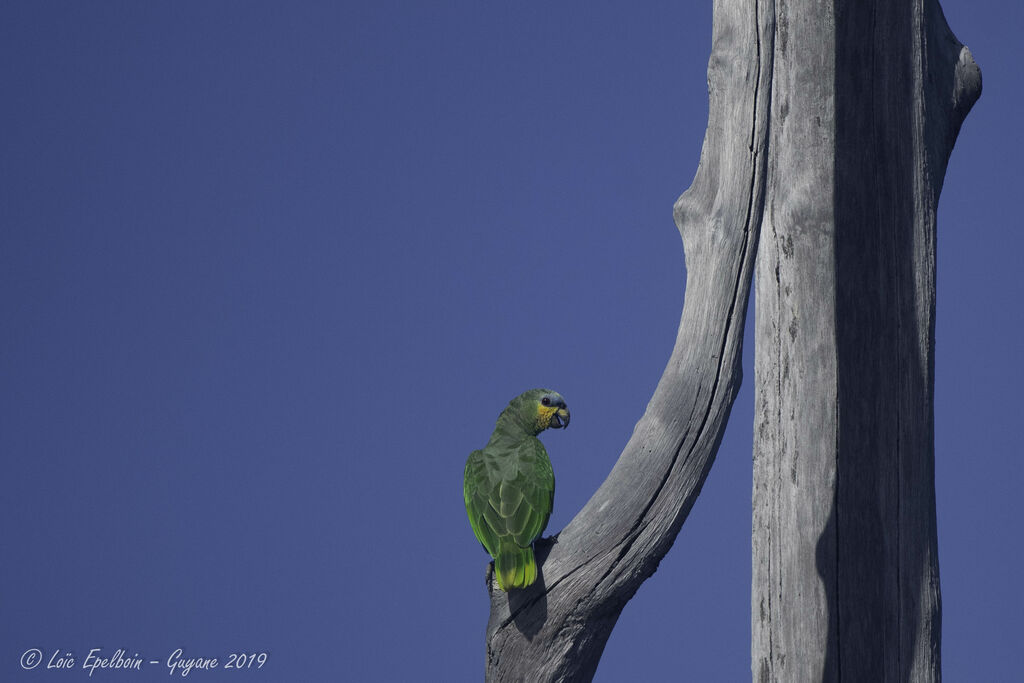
[(268, 273)]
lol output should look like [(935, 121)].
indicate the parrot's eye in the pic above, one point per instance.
[(546, 401)]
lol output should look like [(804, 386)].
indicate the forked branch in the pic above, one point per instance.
[(557, 628)]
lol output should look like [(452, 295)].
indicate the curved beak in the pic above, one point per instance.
[(560, 419)]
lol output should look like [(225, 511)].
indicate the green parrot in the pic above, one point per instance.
[(509, 485)]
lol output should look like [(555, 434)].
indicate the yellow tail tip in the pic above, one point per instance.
[(515, 569)]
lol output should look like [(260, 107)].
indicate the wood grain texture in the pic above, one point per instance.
[(829, 129), (557, 628), (867, 100)]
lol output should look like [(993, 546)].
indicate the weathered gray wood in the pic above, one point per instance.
[(832, 123), (557, 628), (867, 100)]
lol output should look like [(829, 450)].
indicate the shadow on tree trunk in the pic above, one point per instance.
[(529, 606), (876, 555)]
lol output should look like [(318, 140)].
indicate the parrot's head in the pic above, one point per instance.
[(541, 409)]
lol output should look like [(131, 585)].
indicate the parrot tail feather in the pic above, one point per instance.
[(515, 567)]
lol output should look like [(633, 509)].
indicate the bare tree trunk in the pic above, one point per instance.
[(832, 123), (867, 100), (557, 628)]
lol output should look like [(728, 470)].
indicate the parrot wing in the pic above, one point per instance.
[(509, 498), (527, 500), (476, 490)]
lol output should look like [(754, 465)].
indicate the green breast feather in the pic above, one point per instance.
[(509, 485)]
